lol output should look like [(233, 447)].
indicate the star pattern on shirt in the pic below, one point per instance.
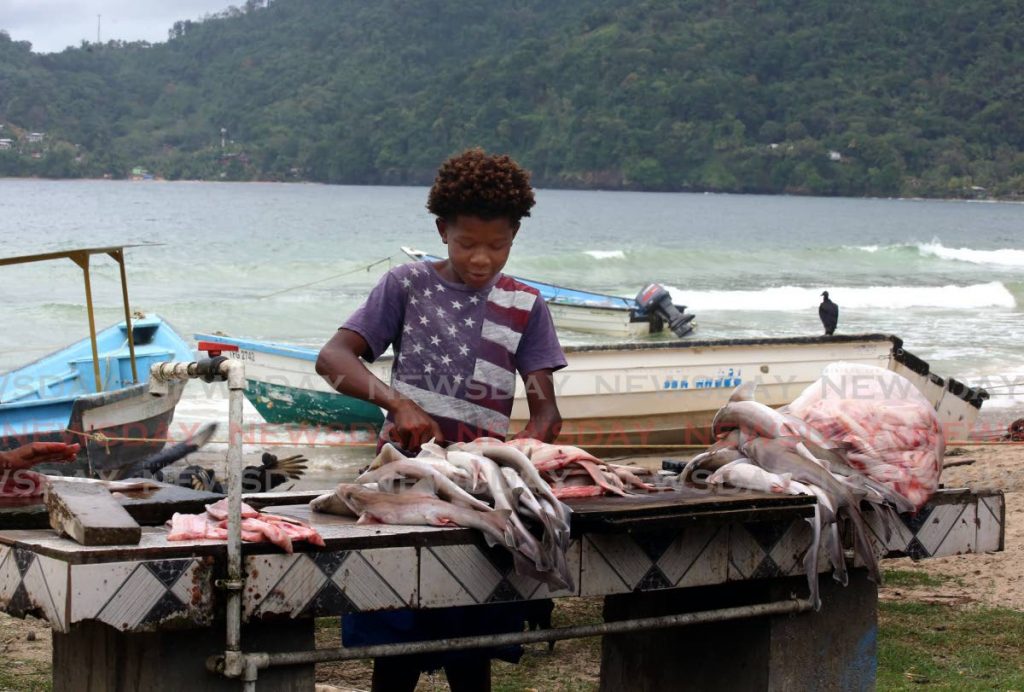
[(437, 316)]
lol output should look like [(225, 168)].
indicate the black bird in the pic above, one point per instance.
[(153, 465), (255, 479), (829, 314)]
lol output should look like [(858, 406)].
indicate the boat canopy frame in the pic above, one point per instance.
[(81, 257)]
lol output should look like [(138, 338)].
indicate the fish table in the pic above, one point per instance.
[(147, 616)]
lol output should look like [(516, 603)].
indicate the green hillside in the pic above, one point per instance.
[(906, 97)]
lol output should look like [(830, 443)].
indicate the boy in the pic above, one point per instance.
[(460, 330)]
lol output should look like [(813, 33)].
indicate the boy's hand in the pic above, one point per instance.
[(27, 456), (544, 428), (413, 427)]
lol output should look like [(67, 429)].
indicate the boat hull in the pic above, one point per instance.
[(56, 398), (620, 396)]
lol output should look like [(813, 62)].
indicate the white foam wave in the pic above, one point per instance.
[(605, 254), (868, 248), (1003, 258), (799, 298)]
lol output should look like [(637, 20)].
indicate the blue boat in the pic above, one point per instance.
[(600, 313), (95, 390)]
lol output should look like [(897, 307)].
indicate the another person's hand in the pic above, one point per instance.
[(412, 427), (27, 456)]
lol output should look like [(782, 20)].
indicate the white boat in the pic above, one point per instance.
[(600, 313), (617, 396)]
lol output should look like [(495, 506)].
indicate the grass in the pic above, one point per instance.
[(920, 646), (909, 579), (945, 647), (19, 675)]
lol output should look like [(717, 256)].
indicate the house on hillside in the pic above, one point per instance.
[(6, 143), (35, 137)]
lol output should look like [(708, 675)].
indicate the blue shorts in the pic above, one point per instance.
[(401, 626)]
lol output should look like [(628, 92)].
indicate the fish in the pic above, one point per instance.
[(569, 492), (187, 527), (418, 509), (444, 487), (332, 503), (524, 542), (515, 459), (255, 527), (771, 455), (743, 474), (219, 510)]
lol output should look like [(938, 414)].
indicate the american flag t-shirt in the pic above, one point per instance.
[(458, 349)]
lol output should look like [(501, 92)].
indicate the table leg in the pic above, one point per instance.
[(97, 657), (833, 649)]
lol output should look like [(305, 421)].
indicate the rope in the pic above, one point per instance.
[(105, 440), (365, 268)]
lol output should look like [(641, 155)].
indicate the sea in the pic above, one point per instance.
[(289, 262)]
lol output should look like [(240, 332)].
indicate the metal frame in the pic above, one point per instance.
[(81, 258)]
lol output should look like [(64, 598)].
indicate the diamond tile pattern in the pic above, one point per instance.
[(144, 595), (471, 574), (312, 584)]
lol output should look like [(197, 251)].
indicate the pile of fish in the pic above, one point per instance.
[(572, 472), (490, 485), (878, 444), (257, 527)]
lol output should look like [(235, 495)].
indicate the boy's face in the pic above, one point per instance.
[(477, 248)]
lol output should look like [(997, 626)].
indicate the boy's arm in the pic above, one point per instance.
[(545, 420), (339, 363)]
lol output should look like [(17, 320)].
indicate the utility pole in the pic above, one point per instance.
[(98, 29), (223, 134)]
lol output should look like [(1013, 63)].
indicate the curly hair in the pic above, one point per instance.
[(480, 184)]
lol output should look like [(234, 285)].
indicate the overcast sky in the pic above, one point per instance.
[(53, 25)]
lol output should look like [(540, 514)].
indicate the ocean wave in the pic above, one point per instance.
[(605, 254), (1005, 257), (799, 298)]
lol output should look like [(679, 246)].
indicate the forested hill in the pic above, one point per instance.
[(903, 97)]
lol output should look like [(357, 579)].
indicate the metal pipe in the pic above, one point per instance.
[(118, 256), (82, 260), (234, 372), (233, 663), (266, 660)]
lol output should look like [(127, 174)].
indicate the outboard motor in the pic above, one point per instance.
[(655, 299)]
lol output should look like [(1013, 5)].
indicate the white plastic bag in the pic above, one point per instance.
[(880, 423)]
